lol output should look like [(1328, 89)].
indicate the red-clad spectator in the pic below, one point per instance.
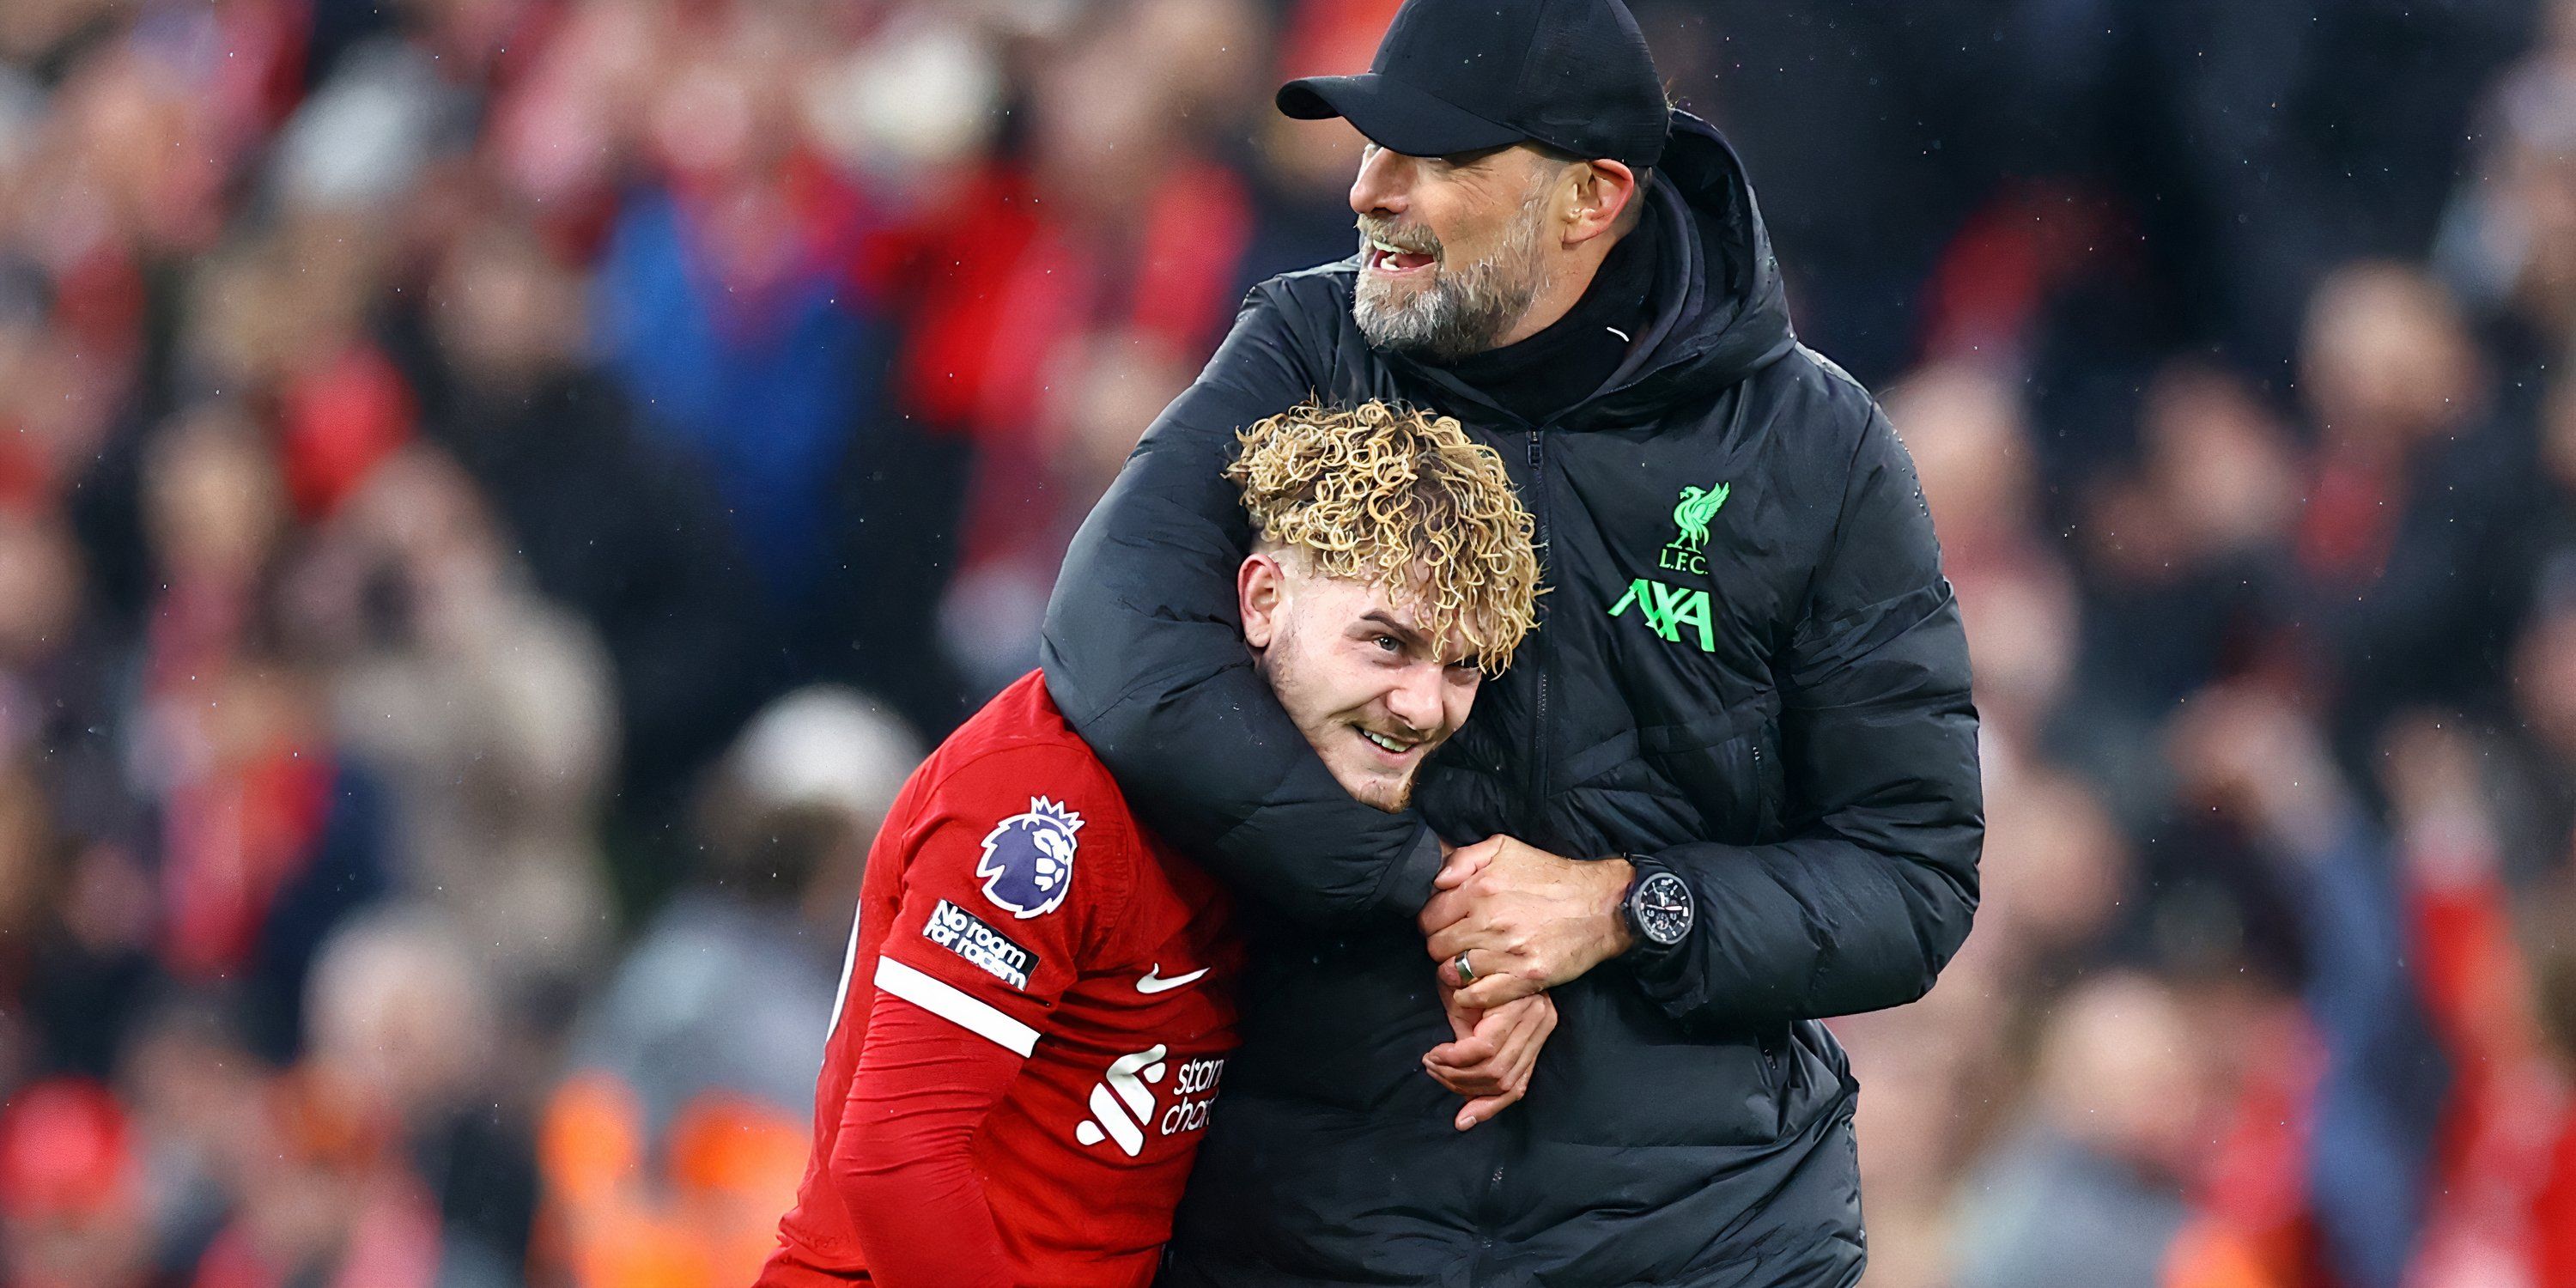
[(266, 835), (2509, 1108)]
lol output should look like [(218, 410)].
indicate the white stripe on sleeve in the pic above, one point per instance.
[(849, 966), (946, 1001)]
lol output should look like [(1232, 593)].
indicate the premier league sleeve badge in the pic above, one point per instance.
[(1028, 859)]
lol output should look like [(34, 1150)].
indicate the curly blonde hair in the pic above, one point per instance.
[(1405, 500)]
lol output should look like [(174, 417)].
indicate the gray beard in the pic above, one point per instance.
[(1464, 311)]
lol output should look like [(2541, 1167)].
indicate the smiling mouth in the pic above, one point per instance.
[(1386, 257), (1389, 744)]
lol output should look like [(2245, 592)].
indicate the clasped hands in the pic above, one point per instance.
[(1525, 921)]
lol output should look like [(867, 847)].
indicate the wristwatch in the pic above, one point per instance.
[(1659, 906)]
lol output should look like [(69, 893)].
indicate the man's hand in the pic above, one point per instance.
[(1527, 919), (1491, 1058)]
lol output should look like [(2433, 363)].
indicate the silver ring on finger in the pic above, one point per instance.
[(1466, 973)]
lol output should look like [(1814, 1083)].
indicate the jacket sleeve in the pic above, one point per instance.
[(1144, 653), (1861, 907)]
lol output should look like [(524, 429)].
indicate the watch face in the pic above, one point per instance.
[(1662, 906)]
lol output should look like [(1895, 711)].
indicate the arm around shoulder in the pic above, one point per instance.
[(1144, 653)]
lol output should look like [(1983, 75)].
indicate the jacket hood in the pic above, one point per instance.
[(1727, 311), (1726, 314)]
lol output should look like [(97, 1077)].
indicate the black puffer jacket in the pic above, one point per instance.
[(1750, 668)]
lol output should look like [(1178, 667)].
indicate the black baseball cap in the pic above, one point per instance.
[(1463, 75)]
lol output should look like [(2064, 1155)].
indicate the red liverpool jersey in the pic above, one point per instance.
[(1011, 894)]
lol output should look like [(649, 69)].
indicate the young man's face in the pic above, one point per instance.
[(1356, 673), (1452, 250)]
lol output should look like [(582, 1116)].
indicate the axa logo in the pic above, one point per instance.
[(1670, 610), (1122, 1102)]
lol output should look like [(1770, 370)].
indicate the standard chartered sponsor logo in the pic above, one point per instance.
[(1194, 1096), (1123, 1107), (1121, 1104)]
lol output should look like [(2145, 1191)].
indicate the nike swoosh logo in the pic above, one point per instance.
[(1152, 983)]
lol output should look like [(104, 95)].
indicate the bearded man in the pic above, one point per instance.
[(1730, 789)]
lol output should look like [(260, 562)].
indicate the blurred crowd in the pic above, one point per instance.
[(496, 494)]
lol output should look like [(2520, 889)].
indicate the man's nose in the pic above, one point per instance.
[(1415, 699), (1380, 186)]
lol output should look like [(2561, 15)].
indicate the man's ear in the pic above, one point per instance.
[(1603, 190), (1260, 588)]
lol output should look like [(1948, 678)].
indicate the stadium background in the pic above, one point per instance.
[(494, 495)]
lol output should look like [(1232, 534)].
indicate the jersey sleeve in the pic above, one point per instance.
[(904, 1158), (1018, 879)]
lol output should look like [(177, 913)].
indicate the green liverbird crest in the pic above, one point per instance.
[(1698, 506)]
